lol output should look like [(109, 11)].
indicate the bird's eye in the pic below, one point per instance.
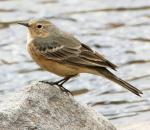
[(39, 26)]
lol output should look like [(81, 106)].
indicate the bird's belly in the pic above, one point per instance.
[(57, 68), (53, 66)]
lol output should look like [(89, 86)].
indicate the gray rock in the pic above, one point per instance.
[(44, 107)]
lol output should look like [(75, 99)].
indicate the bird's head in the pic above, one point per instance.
[(39, 28)]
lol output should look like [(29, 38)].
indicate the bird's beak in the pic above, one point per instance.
[(24, 24)]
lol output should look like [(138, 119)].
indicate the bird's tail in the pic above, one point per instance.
[(107, 74)]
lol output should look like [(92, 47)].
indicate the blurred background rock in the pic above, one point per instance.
[(119, 29)]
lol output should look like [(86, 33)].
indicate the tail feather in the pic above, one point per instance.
[(107, 74)]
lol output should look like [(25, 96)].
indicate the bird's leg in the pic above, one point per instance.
[(58, 82), (61, 85), (65, 80)]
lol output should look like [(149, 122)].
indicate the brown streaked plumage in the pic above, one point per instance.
[(61, 53)]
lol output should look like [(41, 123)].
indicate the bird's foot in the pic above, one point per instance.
[(59, 84), (52, 83), (46, 82), (65, 90)]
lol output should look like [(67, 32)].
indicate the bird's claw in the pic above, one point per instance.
[(46, 82)]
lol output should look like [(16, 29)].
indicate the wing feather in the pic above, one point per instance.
[(80, 55)]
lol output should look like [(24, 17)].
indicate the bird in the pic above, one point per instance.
[(61, 53)]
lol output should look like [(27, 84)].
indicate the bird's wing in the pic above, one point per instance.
[(93, 56), (74, 54)]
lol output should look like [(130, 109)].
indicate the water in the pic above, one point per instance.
[(120, 30)]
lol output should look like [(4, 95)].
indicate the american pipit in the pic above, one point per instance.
[(60, 53)]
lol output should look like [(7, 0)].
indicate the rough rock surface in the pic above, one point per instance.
[(44, 107)]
